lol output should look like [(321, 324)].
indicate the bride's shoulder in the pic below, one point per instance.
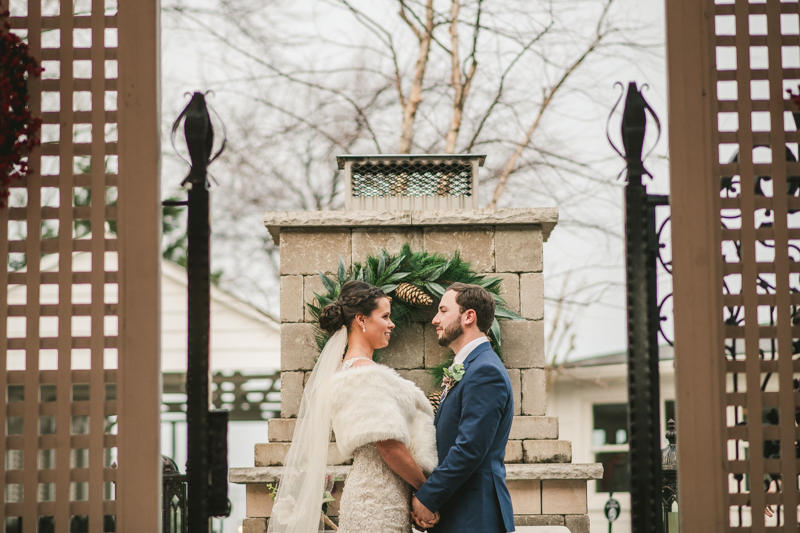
[(368, 374)]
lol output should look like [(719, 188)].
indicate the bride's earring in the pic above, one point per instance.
[(364, 328)]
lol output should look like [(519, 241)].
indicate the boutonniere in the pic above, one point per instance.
[(452, 375)]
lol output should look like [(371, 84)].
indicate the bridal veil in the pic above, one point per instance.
[(298, 503)]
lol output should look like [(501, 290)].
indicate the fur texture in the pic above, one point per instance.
[(372, 403)]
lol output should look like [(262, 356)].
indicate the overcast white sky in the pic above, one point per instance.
[(192, 62)]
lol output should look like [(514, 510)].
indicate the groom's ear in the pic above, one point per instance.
[(470, 317)]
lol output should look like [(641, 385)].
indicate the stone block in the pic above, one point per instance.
[(526, 496), (531, 296), (274, 454), (291, 298), (538, 520), (254, 525), (406, 350), (514, 376), (291, 393), (534, 428), (547, 451), (534, 391), (523, 343), (305, 251), (566, 496), (513, 451), (518, 248), (577, 523), (421, 378), (280, 429), (475, 245), (298, 347), (509, 289), (435, 354), (311, 285), (370, 241), (271, 454), (258, 500)]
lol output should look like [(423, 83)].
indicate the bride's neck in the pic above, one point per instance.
[(357, 346)]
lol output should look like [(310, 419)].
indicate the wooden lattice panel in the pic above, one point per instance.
[(756, 60), (63, 284)]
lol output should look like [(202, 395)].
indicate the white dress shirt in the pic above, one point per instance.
[(465, 350)]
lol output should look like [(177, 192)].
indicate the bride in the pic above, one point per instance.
[(382, 421)]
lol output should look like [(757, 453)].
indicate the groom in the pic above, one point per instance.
[(468, 489)]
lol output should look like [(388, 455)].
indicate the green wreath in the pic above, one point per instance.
[(416, 281)]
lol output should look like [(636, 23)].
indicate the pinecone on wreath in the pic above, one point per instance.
[(435, 398), (412, 294)]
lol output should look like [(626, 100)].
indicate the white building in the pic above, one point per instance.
[(590, 399)]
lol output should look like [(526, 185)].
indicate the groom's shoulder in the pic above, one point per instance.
[(489, 363)]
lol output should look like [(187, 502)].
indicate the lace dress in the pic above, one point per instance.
[(375, 499)]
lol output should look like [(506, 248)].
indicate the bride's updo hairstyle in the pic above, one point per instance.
[(356, 297)]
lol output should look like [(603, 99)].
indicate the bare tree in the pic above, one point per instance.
[(301, 82)]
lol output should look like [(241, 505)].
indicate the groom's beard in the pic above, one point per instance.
[(451, 333)]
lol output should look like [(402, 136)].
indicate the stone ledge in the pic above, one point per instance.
[(546, 217), (514, 472), (559, 471), (271, 474)]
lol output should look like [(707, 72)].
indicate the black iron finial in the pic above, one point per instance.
[(670, 432), (199, 133), (634, 126)]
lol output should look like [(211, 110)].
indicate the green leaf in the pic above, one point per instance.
[(488, 282), (397, 277), (323, 300), (505, 312), (435, 289), (368, 277), (388, 288), (438, 272), (495, 331), (360, 276), (342, 271), (381, 264), (394, 265), (498, 300), (328, 283)]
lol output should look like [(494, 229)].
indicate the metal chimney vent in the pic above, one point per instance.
[(410, 182)]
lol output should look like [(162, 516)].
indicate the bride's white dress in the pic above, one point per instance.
[(372, 403)]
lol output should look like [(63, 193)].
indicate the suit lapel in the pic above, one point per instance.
[(484, 346)]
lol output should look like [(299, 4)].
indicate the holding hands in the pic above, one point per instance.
[(422, 516)]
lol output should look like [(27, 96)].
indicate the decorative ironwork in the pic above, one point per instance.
[(173, 505), (412, 178), (669, 472), (199, 136), (644, 317)]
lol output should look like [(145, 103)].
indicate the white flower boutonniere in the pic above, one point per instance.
[(452, 375)]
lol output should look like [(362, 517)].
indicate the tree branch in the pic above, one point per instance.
[(512, 161), (415, 94)]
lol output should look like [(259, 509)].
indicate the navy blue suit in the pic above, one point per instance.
[(472, 426)]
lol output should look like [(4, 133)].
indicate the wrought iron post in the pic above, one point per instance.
[(641, 247), (669, 469), (173, 503), (199, 134)]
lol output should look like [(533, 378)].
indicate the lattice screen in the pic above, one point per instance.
[(757, 58), (62, 282)]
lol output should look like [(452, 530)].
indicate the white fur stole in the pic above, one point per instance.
[(372, 403)]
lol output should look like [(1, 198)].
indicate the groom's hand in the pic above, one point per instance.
[(422, 516)]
